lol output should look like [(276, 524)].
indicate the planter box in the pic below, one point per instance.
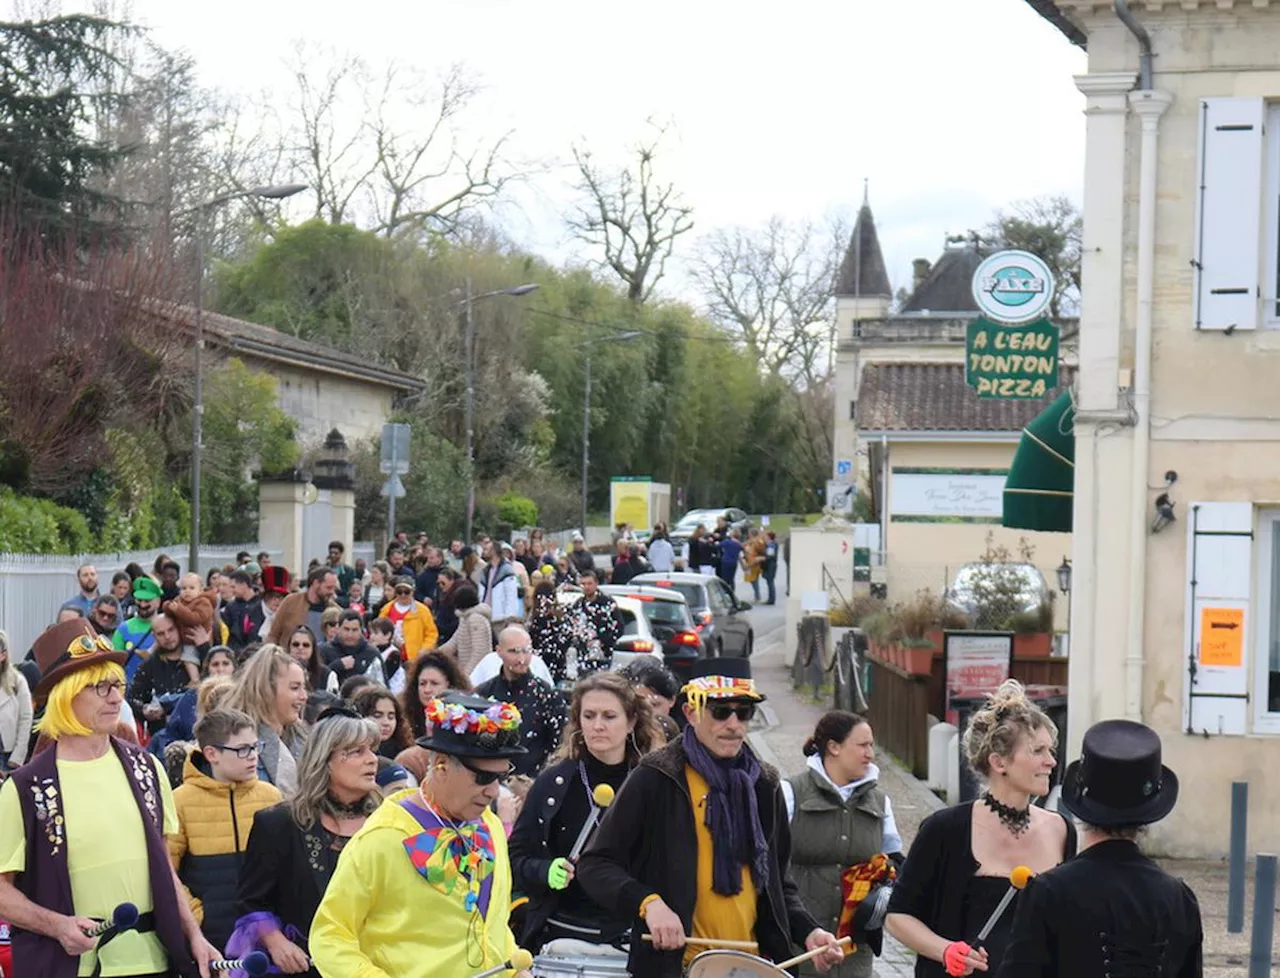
[(918, 661), (1035, 645)]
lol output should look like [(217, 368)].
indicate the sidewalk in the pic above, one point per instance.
[(788, 719)]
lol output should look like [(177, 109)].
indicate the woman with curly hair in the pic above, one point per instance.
[(610, 728), (380, 705), (958, 867)]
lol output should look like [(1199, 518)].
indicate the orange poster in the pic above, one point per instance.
[(1222, 636)]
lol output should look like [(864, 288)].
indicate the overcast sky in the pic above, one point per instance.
[(950, 108)]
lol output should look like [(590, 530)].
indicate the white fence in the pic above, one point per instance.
[(34, 586)]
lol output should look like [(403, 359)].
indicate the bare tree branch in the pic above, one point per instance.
[(772, 288), (631, 216)]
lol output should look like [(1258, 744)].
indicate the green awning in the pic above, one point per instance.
[(1041, 480)]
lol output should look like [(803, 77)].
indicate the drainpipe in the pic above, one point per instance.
[(1149, 105)]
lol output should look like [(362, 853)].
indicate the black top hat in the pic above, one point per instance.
[(462, 725), (1119, 779)]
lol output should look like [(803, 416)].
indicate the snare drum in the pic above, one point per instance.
[(732, 964), (567, 958)]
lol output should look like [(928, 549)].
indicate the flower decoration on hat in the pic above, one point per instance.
[(704, 688), (498, 719)]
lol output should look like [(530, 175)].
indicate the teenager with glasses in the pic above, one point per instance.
[(697, 842), (219, 795), (611, 727), (426, 889), (294, 847)]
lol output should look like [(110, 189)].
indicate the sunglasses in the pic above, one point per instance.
[(484, 778), (722, 711)]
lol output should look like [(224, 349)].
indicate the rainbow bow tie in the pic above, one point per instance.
[(448, 858)]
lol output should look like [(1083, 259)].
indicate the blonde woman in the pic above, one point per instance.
[(272, 689), (294, 846), (958, 867), (15, 711)]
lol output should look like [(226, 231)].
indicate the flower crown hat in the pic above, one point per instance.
[(462, 725)]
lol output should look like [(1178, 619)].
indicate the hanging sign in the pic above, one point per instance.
[(1011, 361), (1013, 287)]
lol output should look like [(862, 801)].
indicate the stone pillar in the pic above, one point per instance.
[(827, 545), (334, 470), (280, 503)]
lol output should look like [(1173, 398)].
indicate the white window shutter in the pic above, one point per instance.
[(1229, 206), (1219, 585)]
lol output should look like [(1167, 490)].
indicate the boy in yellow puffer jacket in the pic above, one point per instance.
[(216, 802)]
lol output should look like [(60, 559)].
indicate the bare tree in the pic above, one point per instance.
[(631, 215), (772, 288), (1050, 227)]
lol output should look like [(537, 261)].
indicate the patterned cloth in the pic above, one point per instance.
[(856, 884), (455, 859)]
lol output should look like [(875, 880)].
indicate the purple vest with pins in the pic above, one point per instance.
[(46, 881)]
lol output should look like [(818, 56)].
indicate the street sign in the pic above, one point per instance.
[(840, 497), (393, 488), (844, 469), (395, 449), (1013, 287)]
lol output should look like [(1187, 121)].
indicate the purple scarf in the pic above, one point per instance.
[(733, 815)]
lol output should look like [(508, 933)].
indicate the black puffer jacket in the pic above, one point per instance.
[(647, 843)]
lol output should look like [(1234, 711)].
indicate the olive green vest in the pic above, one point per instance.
[(828, 836)]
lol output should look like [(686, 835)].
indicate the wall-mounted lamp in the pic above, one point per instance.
[(1064, 576), (1164, 513)]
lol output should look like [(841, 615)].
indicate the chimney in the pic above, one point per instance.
[(920, 269)]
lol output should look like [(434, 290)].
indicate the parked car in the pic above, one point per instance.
[(719, 617), (670, 622), (683, 530), (637, 636)]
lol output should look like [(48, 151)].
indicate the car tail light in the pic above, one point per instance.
[(642, 645), (687, 638), (702, 618)]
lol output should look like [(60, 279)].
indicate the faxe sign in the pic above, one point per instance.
[(1013, 287)]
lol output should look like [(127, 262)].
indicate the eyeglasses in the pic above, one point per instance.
[(104, 688), (243, 751), (522, 650), (304, 644), (484, 778), (722, 711)]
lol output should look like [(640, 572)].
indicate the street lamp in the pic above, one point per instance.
[(1064, 576), (469, 343), (201, 210), (586, 412)]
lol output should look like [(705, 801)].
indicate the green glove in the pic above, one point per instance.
[(558, 874)]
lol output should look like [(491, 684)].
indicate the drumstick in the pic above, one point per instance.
[(521, 960), (714, 942), (1017, 880), (810, 955), (602, 795), (123, 917), (255, 963)]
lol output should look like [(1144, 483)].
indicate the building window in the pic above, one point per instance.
[(1266, 683), (853, 410), (1271, 215)]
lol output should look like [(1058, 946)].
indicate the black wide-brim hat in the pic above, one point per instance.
[(1119, 779), (461, 725)]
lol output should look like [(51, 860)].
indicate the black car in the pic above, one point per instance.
[(670, 624), (718, 615)]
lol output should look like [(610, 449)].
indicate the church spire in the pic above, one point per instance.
[(862, 273)]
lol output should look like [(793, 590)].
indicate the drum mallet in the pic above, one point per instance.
[(843, 944), (1018, 880), (521, 960), (123, 917), (602, 795), (715, 942), (255, 963)]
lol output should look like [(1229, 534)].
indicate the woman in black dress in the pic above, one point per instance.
[(958, 867), (610, 728), (294, 846)]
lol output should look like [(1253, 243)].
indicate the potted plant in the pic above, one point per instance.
[(880, 628), (1033, 631), (917, 655), (842, 621)]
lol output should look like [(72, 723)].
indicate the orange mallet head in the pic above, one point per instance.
[(1020, 876)]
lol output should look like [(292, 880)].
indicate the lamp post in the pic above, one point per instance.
[(469, 342), (201, 211), (1064, 585), (586, 412)]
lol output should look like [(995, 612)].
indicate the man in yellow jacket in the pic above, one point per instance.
[(415, 625), (216, 802), (424, 888)]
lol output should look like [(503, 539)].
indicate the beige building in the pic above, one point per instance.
[(1178, 623), (930, 452)]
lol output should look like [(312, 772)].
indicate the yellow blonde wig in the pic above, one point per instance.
[(59, 718)]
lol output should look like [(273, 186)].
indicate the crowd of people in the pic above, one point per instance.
[(362, 774)]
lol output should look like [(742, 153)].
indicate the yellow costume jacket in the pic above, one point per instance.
[(380, 918)]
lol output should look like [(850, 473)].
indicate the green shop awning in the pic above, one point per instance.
[(1041, 480)]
